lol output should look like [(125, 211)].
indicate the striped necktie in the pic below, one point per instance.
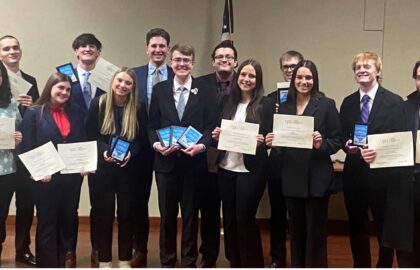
[(365, 108)]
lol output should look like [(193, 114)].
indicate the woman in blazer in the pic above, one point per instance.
[(116, 113), (241, 177), (8, 109), (307, 174), (56, 196)]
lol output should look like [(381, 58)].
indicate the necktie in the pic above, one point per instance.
[(181, 102), (155, 77), (87, 90), (365, 108)]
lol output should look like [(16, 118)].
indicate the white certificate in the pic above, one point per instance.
[(293, 131), (18, 85), (392, 149), (79, 156), (101, 75), (42, 161), (238, 137), (7, 130)]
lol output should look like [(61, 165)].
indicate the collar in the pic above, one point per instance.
[(151, 68), (371, 93), (229, 80), (187, 84), (81, 71)]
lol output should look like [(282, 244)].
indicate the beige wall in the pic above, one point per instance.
[(329, 32)]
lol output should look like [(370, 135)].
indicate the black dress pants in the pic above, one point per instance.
[(178, 189), (56, 204), (308, 223), (24, 208), (241, 194), (108, 185), (209, 205), (278, 216), (7, 185)]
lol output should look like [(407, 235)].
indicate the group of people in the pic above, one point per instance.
[(199, 178)]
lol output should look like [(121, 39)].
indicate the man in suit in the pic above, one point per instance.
[(157, 48), (181, 102), (364, 188), (278, 220), (87, 49), (224, 61), (10, 54)]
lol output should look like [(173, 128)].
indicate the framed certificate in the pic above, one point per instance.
[(176, 133), (69, 71), (120, 148), (190, 137), (164, 135), (360, 134)]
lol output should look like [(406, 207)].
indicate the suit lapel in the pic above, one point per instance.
[(50, 120), (312, 107), (169, 96), (192, 98), (143, 83)]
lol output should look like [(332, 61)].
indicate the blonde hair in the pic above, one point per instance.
[(365, 56), (129, 125)]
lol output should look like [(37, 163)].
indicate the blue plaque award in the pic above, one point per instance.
[(176, 133), (164, 135), (190, 137), (360, 134), (120, 149), (69, 71)]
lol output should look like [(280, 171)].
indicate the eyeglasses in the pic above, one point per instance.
[(221, 57), (292, 67), (186, 61)]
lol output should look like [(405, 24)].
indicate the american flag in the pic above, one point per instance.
[(227, 28)]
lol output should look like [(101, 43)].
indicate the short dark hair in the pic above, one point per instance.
[(9, 36), (290, 54), (225, 44), (416, 67), (86, 39), (158, 32)]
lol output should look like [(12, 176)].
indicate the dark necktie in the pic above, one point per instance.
[(365, 108)]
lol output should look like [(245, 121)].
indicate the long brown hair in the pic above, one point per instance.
[(253, 108)]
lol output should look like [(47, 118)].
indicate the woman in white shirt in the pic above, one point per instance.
[(241, 176)]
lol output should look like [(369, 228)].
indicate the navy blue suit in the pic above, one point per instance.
[(144, 185), (77, 98), (24, 198), (56, 201)]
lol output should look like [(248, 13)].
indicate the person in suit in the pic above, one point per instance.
[(241, 177), (56, 196), (11, 54), (401, 227), (224, 61), (308, 174), (157, 48), (364, 188), (181, 102), (8, 109), (119, 114), (87, 49), (278, 213)]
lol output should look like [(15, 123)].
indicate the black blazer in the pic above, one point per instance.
[(356, 170), (309, 172), (94, 122), (258, 161), (199, 113), (33, 91)]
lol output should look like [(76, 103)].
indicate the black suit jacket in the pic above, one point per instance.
[(258, 161), (356, 171), (309, 172), (199, 113), (33, 91), (94, 122)]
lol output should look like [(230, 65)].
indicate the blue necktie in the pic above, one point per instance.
[(87, 90), (365, 108), (181, 102)]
